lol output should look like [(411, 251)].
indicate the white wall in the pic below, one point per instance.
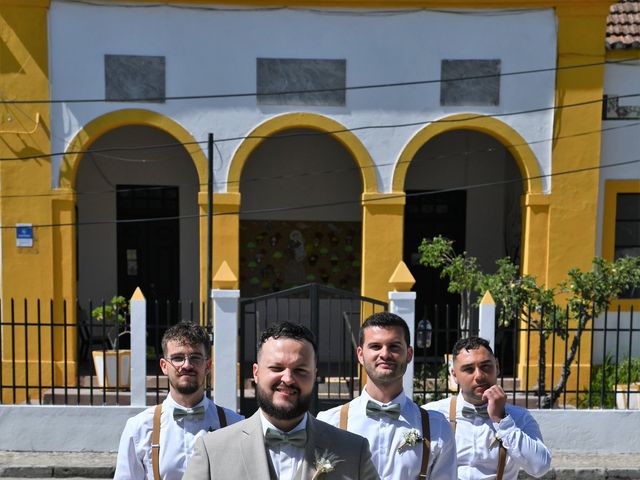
[(213, 51), (73, 429), (620, 138)]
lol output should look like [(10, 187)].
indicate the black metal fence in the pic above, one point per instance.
[(59, 354), (604, 373), (47, 350)]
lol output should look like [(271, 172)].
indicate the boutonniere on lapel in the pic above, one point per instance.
[(411, 439), (325, 463)]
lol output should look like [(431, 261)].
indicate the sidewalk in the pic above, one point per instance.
[(32, 465)]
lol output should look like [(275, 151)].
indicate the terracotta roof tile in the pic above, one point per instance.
[(623, 25)]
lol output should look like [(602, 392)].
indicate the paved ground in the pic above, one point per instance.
[(86, 465)]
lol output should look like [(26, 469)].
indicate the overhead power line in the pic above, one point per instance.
[(315, 90), (321, 133), (336, 203)]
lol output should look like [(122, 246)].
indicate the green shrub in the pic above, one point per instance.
[(604, 379)]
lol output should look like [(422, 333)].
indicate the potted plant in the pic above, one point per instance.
[(113, 366)]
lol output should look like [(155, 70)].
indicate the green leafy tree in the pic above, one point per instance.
[(114, 315), (462, 271), (519, 297)]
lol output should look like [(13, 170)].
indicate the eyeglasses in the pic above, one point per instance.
[(196, 360)]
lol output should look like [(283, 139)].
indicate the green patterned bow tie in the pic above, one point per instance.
[(195, 413), (391, 411), (274, 438)]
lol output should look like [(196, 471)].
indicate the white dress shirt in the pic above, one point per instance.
[(177, 439), (285, 458), (385, 436), (478, 450)]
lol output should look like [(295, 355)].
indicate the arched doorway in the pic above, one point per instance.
[(300, 218), (138, 221), (465, 185)]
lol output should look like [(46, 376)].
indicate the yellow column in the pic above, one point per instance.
[(382, 234), (24, 184), (573, 207), (226, 236)]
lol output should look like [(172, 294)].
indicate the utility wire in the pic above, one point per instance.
[(290, 176), (336, 203), (322, 133), (316, 90)]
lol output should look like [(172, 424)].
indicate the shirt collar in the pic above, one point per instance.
[(401, 398), (267, 424), (170, 402)]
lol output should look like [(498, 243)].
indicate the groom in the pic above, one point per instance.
[(282, 440)]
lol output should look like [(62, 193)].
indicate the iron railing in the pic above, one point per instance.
[(47, 353), (604, 374), (46, 357)]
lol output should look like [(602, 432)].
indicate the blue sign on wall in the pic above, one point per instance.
[(24, 235)]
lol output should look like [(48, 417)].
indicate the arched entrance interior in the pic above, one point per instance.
[(465, 185), (138, 223), (300, 218)]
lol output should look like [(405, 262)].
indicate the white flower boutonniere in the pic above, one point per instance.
[(411, 439), (325, 463)]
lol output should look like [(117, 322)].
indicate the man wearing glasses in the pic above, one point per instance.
[(157, 443)]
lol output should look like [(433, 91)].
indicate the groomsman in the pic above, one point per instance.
[(282, 440), (494, 439), (157, 443), (406, 441)]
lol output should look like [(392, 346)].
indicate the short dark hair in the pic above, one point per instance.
[(187, 333), (385, 320), (471, 343), (295, 331)]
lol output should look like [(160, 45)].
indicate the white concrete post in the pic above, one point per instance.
[(138, 318), (403, 304), (225, 347), (487, 322)]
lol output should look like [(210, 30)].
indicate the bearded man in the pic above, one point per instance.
[(184, 416), (282, 440)]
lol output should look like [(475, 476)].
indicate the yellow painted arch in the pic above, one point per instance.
[(310, 121), (120, 118), (510, 139)]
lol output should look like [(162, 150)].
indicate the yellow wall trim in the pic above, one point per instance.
[(310, 121), (512, 141), (623, 54), (373, 199), (611, 190), (120, 118), (395, 3), (25, 3)]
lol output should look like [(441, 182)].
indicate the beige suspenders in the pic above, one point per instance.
[(426, 435), (502, 453), (155, 437)]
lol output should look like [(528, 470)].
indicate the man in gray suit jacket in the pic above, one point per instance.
[(282, 440)]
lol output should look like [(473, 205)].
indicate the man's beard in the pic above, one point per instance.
[(385, 377), (282, 413), (187, 388)]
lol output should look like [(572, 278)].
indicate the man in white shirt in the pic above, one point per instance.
[(485, 424), (282, 440), (391, 421), (185, 415)]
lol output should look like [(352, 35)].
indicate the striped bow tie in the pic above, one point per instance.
[(471, 412), (274, 438), (195, 413), (374, 409)]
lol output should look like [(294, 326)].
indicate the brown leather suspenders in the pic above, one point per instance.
[(502, 453), (155, 437), (426, 435)]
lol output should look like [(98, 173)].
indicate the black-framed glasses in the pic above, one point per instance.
[(195, 360)]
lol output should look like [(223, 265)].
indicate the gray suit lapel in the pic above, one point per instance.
[(308, 468), (254, 454)]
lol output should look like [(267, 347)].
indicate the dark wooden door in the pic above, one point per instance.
[(149, 251)]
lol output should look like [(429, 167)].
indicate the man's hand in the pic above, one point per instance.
[(496, 399)]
